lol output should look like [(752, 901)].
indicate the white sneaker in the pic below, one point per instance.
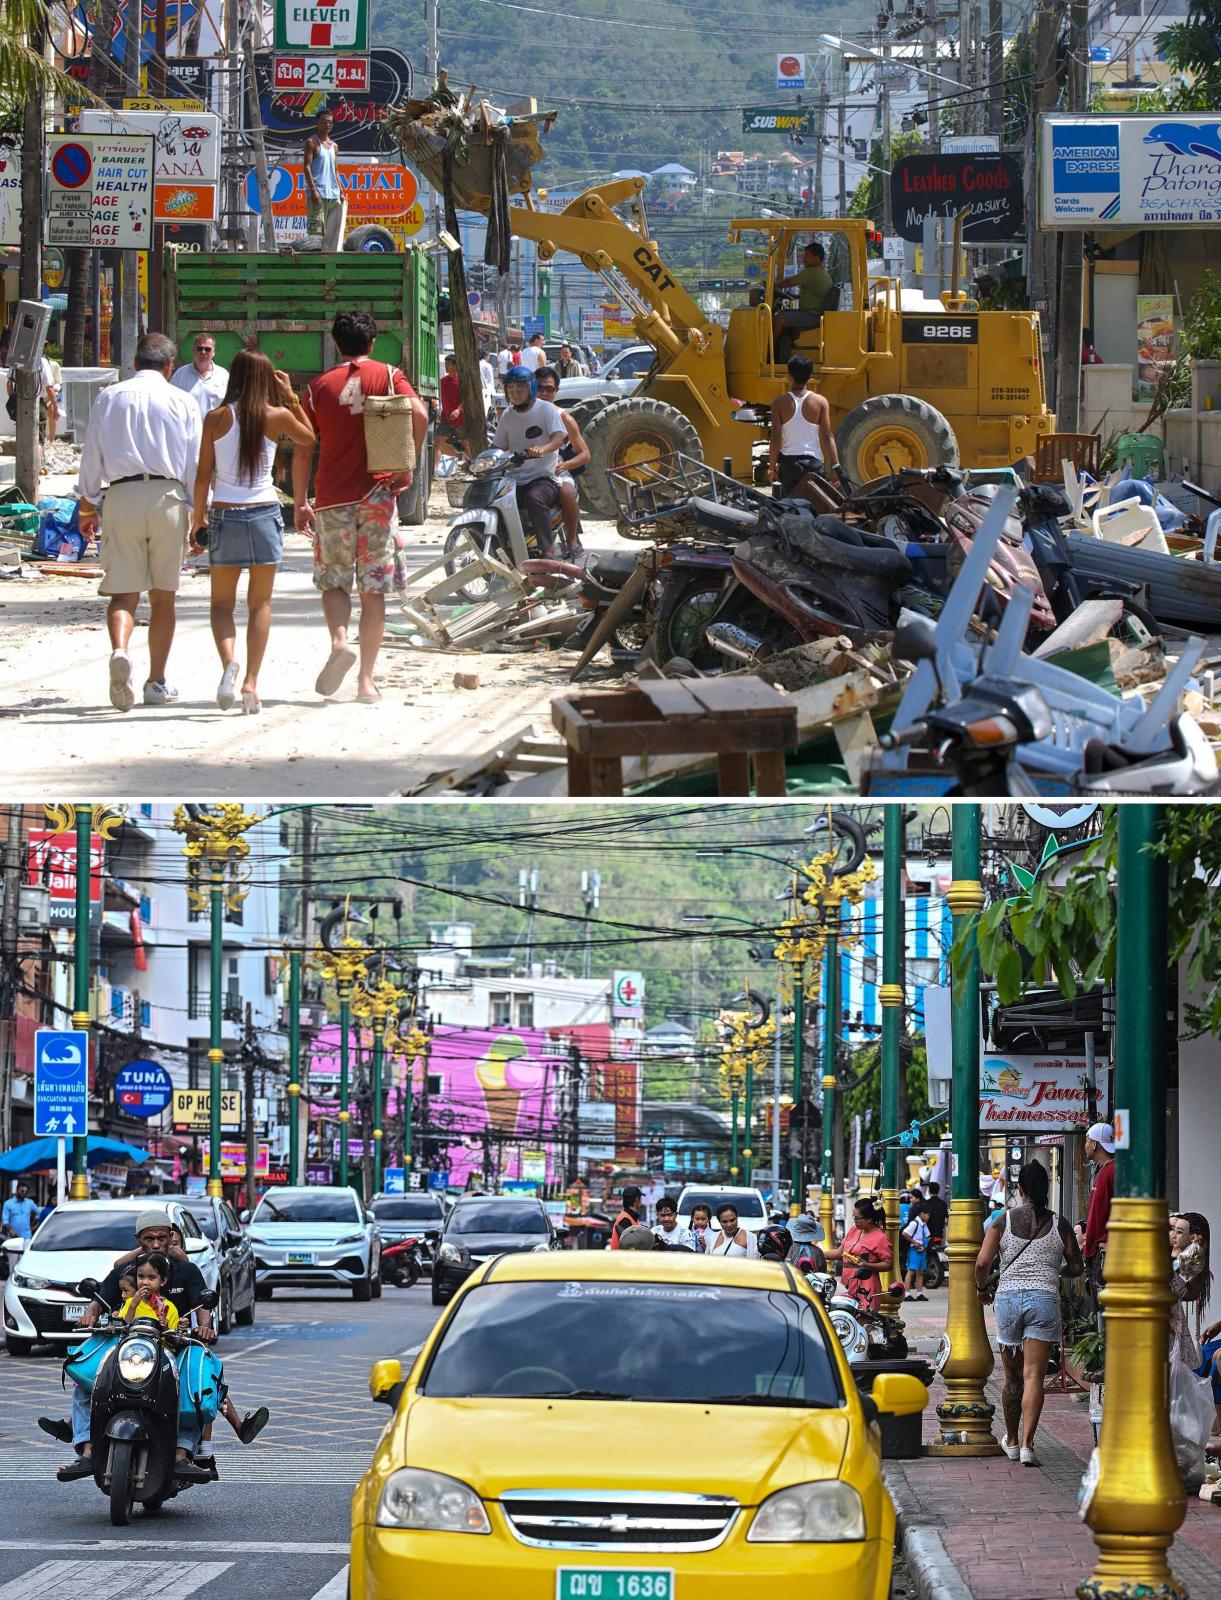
[(122, 695), (226, 694), (1009, 1446), (1028, 1457), (159, 694)]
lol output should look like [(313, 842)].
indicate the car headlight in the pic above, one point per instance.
[(449, 1252), (412, 1498), (809, 1513), (22, 1280), (137, 1360), (351, 1238)]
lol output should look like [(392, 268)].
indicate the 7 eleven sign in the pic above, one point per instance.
[(322, 25)]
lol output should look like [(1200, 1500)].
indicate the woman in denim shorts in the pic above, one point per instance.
[(1034, 1247), (245, 529)]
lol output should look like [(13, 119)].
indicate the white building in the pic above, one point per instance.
[(460, 988)]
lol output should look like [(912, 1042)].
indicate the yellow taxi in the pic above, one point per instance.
[(628, 1426)]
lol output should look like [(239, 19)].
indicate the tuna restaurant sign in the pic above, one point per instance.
[(1038, 1094), (987, 187)]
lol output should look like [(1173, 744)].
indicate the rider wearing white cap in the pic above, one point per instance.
[(1100, 1150)]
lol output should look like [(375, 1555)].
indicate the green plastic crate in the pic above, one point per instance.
[(1146, 453)]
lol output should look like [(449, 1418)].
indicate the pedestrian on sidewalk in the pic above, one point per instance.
[(244, 529), (1100, 1152), (203, 379), (353, 514), (141, 450), (918, 1234), (449, 437), (1190, 1281), (866, 1247), (1035, 1247)]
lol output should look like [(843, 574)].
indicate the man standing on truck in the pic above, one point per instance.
[(203, 379), (352, 516), (323, 196)]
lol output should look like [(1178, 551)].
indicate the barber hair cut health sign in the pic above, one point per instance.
[(322, 25)]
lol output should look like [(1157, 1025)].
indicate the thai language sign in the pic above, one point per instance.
[(100, 190), (987, 187), (1045, 1094), (187, 158), (1130, 171)]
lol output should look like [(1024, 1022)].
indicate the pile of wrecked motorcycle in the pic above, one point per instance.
[(1043, 639)]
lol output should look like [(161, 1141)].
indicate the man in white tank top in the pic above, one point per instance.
[(801, 430)]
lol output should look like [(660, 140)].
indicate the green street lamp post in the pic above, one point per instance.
[(965, 1415), (830, 1060), (890, 996), (216, 849), (294, 1066), (1133, 1493)]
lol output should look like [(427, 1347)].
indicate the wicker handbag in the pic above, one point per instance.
[(389, 430)]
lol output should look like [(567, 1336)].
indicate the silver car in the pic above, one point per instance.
[(315, 1238)]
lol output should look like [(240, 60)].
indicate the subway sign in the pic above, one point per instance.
[(766, 119)]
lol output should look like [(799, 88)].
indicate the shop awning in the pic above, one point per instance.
[(40, 1154)]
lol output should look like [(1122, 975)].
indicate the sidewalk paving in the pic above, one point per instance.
[(991, 1529)]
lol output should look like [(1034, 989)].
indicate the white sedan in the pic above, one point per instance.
[(619, 377), (83, 1239)]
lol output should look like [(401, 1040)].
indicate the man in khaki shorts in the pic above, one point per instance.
[(141, 450), (352, 516)]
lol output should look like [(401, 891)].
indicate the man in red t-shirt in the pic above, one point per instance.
[(1100, 1151), (353, 514), (450, 439)]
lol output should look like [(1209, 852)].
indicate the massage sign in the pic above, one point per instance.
[(988, 188), (100, 190)]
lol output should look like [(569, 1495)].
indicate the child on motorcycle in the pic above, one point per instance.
[(151, 1273)]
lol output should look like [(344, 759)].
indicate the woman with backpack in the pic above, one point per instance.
[(1034, 1248)]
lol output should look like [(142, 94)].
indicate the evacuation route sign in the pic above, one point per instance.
[(322, 25), (61, 1083), (100, 190)]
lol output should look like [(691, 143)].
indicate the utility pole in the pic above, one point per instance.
[(432, 16), (1072, 245), (262, 177), (1040, 247), (930, 62), (527, 896), (10, 970), (591, 887), (841, 136), (249, 1049), (29, 384), (820, 135), (888, 220), (129, 283), (996, 68)]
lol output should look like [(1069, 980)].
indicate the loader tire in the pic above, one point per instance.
[(636, 429), (891, 431), (582, 411)]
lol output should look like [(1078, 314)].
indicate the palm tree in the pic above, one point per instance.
[(24, 69)]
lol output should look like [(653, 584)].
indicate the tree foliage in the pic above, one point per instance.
[(1067, 933), (1191, 48)]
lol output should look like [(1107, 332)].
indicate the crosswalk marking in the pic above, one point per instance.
[(335, 1588), (111, 1580), (180, 1546)]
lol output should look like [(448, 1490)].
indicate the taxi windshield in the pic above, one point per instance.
[(613, 1340)]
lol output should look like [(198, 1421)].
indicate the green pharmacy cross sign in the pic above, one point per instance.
[(322, 25), (770, 119)]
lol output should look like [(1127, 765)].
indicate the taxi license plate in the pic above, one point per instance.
[(75, 1309), (614, 1583), (300, 1258)]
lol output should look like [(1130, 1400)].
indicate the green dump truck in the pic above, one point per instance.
[(285, 304)]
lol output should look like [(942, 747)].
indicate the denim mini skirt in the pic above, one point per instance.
[(245, 536)]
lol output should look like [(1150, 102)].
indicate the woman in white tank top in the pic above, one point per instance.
[(244, 528)]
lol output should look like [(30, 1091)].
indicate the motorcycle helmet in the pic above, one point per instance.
[(521, 375), (774, 1244)]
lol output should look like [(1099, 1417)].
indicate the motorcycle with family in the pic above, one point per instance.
[(146, 1384)]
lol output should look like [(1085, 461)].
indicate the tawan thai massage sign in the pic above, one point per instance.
[(1041, 1094)]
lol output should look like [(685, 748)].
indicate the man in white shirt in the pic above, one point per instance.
[(487, 382), (534, 355), (667, 1227), (202, 379), (508, 357), (141, 450)]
